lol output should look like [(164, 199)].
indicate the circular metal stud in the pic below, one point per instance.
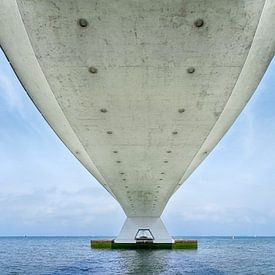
[(191, 70), (93, 70), (83, 22), (199, 23)]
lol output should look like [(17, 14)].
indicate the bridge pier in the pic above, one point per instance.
[(144, 233)]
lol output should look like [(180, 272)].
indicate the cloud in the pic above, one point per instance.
[(223, 214), (9, 93), (59, 209)]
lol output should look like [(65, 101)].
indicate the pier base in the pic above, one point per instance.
[(110, 244)]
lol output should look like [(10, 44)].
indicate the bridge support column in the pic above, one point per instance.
[(133, 225)]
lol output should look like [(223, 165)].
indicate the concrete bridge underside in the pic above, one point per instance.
[(139, 91)]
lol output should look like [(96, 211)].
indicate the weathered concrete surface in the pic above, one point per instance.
[(161, 121)]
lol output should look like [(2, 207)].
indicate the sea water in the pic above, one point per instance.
[(73, 255)]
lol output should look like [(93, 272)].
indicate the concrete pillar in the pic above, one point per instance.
[(154, 224)]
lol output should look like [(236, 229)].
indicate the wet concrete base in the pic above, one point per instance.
[(110, 244)]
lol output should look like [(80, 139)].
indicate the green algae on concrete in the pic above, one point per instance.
[(185, 244), (178, 244), (102, 244)]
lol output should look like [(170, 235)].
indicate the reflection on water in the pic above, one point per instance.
[(74, 256), (162, 261), (143, 261)]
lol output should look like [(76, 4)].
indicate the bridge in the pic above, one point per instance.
[(139, 91)]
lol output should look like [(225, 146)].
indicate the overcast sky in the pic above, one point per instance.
[(44, 190)]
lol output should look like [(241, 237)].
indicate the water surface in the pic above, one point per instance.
[(73, 255)]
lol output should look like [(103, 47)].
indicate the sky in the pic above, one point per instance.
[(45, 191)]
